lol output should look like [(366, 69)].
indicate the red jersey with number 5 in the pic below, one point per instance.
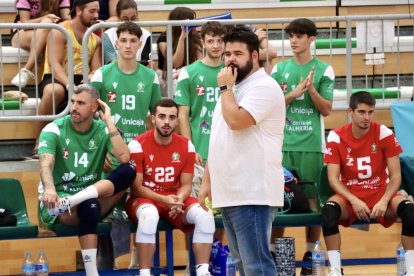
[(161, 165), (363, 161)]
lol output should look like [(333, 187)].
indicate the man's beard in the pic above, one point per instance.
[(163, 133), (242, 72)]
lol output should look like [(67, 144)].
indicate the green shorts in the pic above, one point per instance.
[(308, 163), (44, 215)]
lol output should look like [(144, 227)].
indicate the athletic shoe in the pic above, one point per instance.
[(63, 206), (307, 270), (21, 79), (334, 271), (410, 271)]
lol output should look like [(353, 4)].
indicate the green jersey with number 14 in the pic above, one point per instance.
[(197, 88), (304, 129), (79, 157)]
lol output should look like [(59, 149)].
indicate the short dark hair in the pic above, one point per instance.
[(244, 35), (81, 4), (212, 28), (124, 5), (164, 103), (361, 97), (129, 27), (302, 26)]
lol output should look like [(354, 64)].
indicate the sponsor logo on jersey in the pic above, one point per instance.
[(149, 184), (112, 97), (87, 177), (42, 144), (205, 128), (200, 90), (92, 144), (151, 156), (65, 154), (148, 170), (374, 148), (67, 181), (328, 151), (116, 118), (132, 122), (301, 110), (350, 161), (286, 75), (140, 87), (204, 111), (178, 93), (114, 84), (67, 141), (348, 149), (284, 86), (369, 184), (175, 157), (201, 78)]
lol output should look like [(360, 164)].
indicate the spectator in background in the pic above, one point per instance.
[(179, 46), (364, 172), (53, 88), (164, 164), (244, 174), (72, 153), (307, 84), (126, 10), (35, 11)]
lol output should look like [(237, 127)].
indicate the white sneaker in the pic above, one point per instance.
[(21, 79), (410, 271), (63, 206), (334, 271)]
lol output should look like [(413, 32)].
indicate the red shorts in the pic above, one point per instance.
[(370, 199), (133, 203)]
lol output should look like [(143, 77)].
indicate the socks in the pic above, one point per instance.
[(409, 259), (335, 258), (89, 261), (201, 269), (88, 193), (145, 272)]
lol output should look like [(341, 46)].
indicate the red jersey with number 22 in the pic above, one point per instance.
[(161, 165), (362, 161)]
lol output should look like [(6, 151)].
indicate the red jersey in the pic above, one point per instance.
[(161, 165), (363, 161)]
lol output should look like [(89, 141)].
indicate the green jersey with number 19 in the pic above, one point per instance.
[(304, 129), (79, 157), (130, 96), (197, 88)]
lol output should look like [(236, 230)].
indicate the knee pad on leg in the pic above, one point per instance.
[(148, 218), (122, 177), (405, 211), (89, 213), (331, 212), (204, 224)]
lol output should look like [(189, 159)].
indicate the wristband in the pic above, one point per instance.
[(113, 133), (225, 88)]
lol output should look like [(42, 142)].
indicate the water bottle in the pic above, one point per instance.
[(230, 266), (400, 260), (29, 267), (318, 260), (42, 266)]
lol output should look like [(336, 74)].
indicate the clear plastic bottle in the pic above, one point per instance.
[(318, 260), (42, 266), (230, 266), (29, 266), (400, 260)]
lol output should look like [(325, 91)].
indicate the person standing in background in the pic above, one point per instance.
[(307, 84)]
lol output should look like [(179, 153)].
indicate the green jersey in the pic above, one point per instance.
[(197, 88), (304, 129), (79, 157), (130, 96)]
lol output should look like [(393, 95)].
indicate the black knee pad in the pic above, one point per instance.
[(89, 213), (331, 212), (122, 177), (405, 211)]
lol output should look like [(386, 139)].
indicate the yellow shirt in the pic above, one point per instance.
[(77, 52)]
